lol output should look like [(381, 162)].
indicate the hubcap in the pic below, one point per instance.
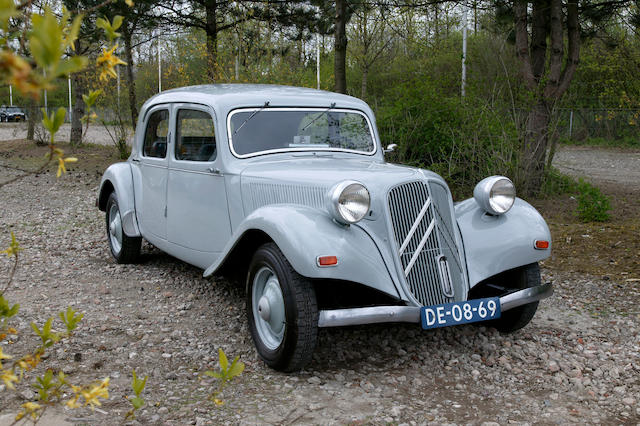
[(115, 229), (268, 307)]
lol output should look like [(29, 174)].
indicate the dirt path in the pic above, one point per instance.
[(600, 165), (96, 134)]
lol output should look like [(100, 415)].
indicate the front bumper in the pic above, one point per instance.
[(378, 314)]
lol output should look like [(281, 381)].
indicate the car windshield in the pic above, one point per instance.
[(277, 130), (14, 109)]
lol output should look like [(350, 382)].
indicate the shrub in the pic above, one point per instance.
[(593, 205)]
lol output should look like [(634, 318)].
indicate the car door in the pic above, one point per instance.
[(154, 172), (198, 218)]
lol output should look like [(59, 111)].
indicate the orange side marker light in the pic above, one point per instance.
[(541, 244), (327, 261)]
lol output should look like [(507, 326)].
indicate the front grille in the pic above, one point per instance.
[(425, 242)]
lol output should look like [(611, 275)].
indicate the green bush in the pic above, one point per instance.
[(557, 183), (464, 141), (593, 205)]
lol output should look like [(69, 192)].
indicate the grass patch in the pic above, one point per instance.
[(625, 142)]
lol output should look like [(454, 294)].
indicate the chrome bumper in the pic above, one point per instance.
[(378, 314)]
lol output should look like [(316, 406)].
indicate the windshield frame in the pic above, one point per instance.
[(310, 109)]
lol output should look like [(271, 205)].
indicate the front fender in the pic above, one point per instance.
[(494, 244), (118, 178), (304, 233)]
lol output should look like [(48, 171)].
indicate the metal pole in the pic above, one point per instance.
[(118, 75), (70, 105), (10, 95), (159, 69), (464, 51), (237, 68), (318, 59), (570, 123)]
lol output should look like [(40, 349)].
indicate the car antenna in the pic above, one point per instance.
[(333, 105), (266, 104)]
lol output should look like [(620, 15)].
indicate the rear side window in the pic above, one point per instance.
[(155, 134), (195, 136)]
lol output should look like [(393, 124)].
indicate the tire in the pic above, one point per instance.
[(516, 318), (282, 311), (123, 248)]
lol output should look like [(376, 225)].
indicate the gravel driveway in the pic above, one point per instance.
[(96, 134), (577, 362)]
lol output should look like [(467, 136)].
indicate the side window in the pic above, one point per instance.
[(195, 136), (155, 135)]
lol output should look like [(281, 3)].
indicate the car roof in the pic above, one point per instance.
[(226, 97)]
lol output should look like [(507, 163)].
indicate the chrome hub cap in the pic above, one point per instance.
[(115, 229), (268, 308)]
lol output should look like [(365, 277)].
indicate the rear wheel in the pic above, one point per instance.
[(282, 311), (516, 318), (123, 248)]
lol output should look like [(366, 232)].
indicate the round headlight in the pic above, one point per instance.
[(495, 194), (349, 202)]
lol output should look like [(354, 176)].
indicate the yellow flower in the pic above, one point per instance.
[(73, 402), (129, 3), (61, 164), (107, 61), (218, 402), (30, 408), (97, 391), (8, 378), (3, 356), (14, 247)]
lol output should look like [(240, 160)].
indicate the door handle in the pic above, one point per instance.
[(214, 171), (137, 160)]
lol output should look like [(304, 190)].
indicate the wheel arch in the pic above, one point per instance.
[(119, 179)]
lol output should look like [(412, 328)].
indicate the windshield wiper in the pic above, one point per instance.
[(266, 104), (333, 105)]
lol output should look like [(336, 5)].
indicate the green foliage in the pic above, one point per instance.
[(5, 310), (91, 98), (53, 122), (110, 27), (557, 183), (70, 319), (46, 335), (227, 373), (593, 205), (137, 402)]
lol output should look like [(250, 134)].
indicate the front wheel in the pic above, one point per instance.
[(124, 249), (282, 311), (516, 318)]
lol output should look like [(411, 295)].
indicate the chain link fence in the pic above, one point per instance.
[(609, 124)]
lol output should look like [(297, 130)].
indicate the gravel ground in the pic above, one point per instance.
[(96, 134), (600, 165), (577, 362)]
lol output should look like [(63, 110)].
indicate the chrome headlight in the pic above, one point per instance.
[(495, 194), (348, 202)]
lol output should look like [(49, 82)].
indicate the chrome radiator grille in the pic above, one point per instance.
[(425, 242)]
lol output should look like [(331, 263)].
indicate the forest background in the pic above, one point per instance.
[(537, 73)]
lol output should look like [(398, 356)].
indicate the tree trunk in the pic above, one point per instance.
[(78, 84), (131, 82), (340, 62), (33, 113), (212, 39), (536, 139), (365, 75)]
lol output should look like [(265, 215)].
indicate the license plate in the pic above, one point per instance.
[(460, 312)]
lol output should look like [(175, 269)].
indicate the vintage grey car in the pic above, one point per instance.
[(289, 187)]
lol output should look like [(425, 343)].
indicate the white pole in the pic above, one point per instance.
[(237, 68), (10, 95), (70, 106), (318, 59), (118, 75), (464, 51), (159, 68), (46, 107)]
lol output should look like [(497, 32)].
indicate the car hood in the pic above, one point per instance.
[(307, 179)]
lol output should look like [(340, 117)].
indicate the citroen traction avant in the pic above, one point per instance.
[(289, 186)]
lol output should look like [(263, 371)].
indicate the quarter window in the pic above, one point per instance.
[(196, 140), (155, 135)]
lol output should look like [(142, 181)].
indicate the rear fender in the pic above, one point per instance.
[(494, 244), (118, 178), (304, 233)]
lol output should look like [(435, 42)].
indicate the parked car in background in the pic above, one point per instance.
[(290, 186), (12, 114)]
